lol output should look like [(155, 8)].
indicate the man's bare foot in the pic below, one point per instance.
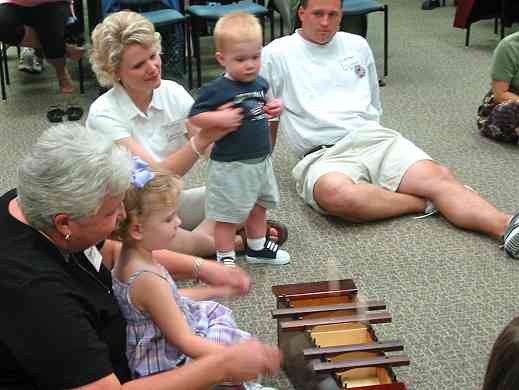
[(74, 52), (65, 83)]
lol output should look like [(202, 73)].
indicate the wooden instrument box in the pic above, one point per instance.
[(328, 343)]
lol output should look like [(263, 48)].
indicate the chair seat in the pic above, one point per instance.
[(216, 11), (163, 17), (360, 7)]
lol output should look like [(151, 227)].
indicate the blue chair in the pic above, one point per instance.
[(364, 7), (162, 18), (212, 12)]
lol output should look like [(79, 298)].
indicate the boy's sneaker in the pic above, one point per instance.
[(270, 254), (25, 64), (511, 238), (228, 261)]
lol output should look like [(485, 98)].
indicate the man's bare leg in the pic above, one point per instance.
[(340, 196), (462, 207), (194, 243)]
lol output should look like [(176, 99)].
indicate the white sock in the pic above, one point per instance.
[(256, 244), (221, 255)]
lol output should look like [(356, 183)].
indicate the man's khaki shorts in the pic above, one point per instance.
[(377, 156)]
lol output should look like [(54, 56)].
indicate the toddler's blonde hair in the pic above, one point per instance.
[(162, 191), (236, 27)]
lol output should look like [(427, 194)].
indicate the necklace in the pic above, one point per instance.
[(99, 282), (68, 256)]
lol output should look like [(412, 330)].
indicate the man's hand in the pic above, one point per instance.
[(274, 108)]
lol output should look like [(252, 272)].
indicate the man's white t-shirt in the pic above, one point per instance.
[(161, 130), (328, 90)]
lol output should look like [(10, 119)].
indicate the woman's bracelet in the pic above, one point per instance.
[(197, 265), (195, 148)]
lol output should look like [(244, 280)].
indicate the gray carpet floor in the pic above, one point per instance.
[(450, 291)]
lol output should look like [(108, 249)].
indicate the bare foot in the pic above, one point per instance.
[(74, 52), (65, 83)]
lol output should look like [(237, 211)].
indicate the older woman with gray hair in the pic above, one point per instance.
[(61, 327), (148, 116)]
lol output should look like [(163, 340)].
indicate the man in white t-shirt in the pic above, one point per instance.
[(351, 166)]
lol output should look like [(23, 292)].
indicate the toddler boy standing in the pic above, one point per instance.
[(241, 184)]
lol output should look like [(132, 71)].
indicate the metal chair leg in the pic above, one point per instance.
[(262, 22), (4, 63), (195, 34), (502, 17), (81, 76), (467, 36), (2, 79), (271, 17), (386, 29)]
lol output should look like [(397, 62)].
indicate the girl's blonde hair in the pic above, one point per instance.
[(112, 36), (162, 191), (236, 27)]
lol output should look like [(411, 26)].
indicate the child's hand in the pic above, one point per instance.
[(274, 108), (238, 281), (224, 292), (228, 116), (246, 360), (216, 274)]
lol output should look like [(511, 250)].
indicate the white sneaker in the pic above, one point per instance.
[(431, 209), (256, 386), (25, 64), (37, 64)]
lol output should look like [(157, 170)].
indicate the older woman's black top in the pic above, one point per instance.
[(60, 325)]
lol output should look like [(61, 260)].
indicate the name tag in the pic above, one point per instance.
[(174, 131)]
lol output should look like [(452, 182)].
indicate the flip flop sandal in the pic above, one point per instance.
[(74, 112), (55, 114), (281, 228)]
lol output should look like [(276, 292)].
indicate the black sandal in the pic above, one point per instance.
[(74, 112), (55, 114), (281, 229)]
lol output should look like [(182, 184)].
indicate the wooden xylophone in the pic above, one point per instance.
[(328, 343)]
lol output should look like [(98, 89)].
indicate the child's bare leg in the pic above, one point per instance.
[(224, 234), (256, 223), (261, 251)]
